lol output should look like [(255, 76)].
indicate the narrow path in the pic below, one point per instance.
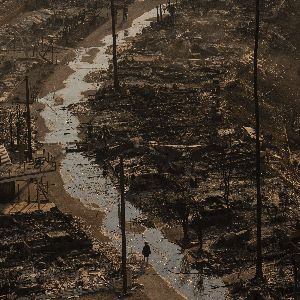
[(156, 288)]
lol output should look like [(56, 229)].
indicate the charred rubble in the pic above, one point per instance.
[(184, 122), (49, 254), (35, 35)]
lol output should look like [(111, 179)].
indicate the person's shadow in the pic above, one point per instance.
[(143, 268)]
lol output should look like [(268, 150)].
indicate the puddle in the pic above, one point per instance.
[(84, 180)]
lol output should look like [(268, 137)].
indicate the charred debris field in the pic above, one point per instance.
[(163, 125)]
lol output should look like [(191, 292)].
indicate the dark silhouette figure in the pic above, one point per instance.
[(146, 252)]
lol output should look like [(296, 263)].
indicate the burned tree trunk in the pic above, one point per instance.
[(185, 224), (199, 229), (114, 37), (226, 167), (259, 271), (182, 210)]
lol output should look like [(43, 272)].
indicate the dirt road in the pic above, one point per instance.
[(73, 206)]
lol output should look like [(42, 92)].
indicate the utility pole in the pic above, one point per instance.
[(18, 126), (123, 226), (28, 119), (52, 51), (259, 271), (114, 37), (160, 12), (11, 130)]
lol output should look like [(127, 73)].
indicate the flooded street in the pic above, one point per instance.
[(83, 177)]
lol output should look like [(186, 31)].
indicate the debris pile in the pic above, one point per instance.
[(49, 254)]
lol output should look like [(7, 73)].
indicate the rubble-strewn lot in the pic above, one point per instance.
[(49, 254), (36, 34), (184, 120)]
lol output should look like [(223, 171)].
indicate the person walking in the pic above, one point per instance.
[(146, 252)]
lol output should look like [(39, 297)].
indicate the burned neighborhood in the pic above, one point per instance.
[(149, 149)]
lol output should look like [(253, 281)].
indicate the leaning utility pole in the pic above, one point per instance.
[(259, 271), (114, 37), (123, 226), (28, 120)]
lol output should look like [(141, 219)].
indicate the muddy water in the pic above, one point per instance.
[(83, 177)]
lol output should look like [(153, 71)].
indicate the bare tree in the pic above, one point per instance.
[(226, 165), (181, 209)]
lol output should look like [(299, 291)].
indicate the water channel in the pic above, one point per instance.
[(83, 177)]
